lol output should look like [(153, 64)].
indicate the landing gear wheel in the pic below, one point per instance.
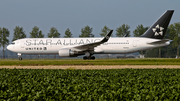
[(93, 58), (89, 58), (85, 58)]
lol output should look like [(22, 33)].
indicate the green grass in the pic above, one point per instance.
[(40, 62), (90, 85)]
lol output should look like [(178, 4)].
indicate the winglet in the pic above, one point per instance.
[(106, 38), (126, 35)]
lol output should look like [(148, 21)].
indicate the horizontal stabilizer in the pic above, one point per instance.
[(159, 42)]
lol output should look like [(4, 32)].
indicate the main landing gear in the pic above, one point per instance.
[(19, 56), (88, 56)]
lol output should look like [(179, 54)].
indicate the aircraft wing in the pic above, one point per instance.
[(90, 46)]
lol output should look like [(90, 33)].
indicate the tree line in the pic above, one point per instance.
[(173, 33)]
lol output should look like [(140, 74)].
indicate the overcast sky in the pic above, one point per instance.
[(76, 14)]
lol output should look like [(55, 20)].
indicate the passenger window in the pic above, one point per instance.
[(45, 48)]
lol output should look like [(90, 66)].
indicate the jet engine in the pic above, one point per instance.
[(66, 53)]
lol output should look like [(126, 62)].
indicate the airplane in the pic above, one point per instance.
[(73, 47)]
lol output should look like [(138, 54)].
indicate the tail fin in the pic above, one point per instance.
[(158, 29)]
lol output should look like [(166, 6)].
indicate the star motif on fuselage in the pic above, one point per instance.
[(158, 30)]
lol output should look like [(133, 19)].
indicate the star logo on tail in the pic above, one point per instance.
[(158, 30)]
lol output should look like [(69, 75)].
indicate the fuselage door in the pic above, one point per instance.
[(135, 43), (22, 44)]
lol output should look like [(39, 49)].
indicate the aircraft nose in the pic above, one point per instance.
[(9, 47)]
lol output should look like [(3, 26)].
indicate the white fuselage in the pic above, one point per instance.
[(53, 45)]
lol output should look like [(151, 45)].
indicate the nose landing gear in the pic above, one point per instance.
[(19, 55), (20, 58)]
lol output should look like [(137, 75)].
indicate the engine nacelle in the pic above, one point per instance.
[(66, 53)]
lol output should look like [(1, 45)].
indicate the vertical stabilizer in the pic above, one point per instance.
[(158, 29)]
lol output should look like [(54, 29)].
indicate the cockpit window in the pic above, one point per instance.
[(13, 43)]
